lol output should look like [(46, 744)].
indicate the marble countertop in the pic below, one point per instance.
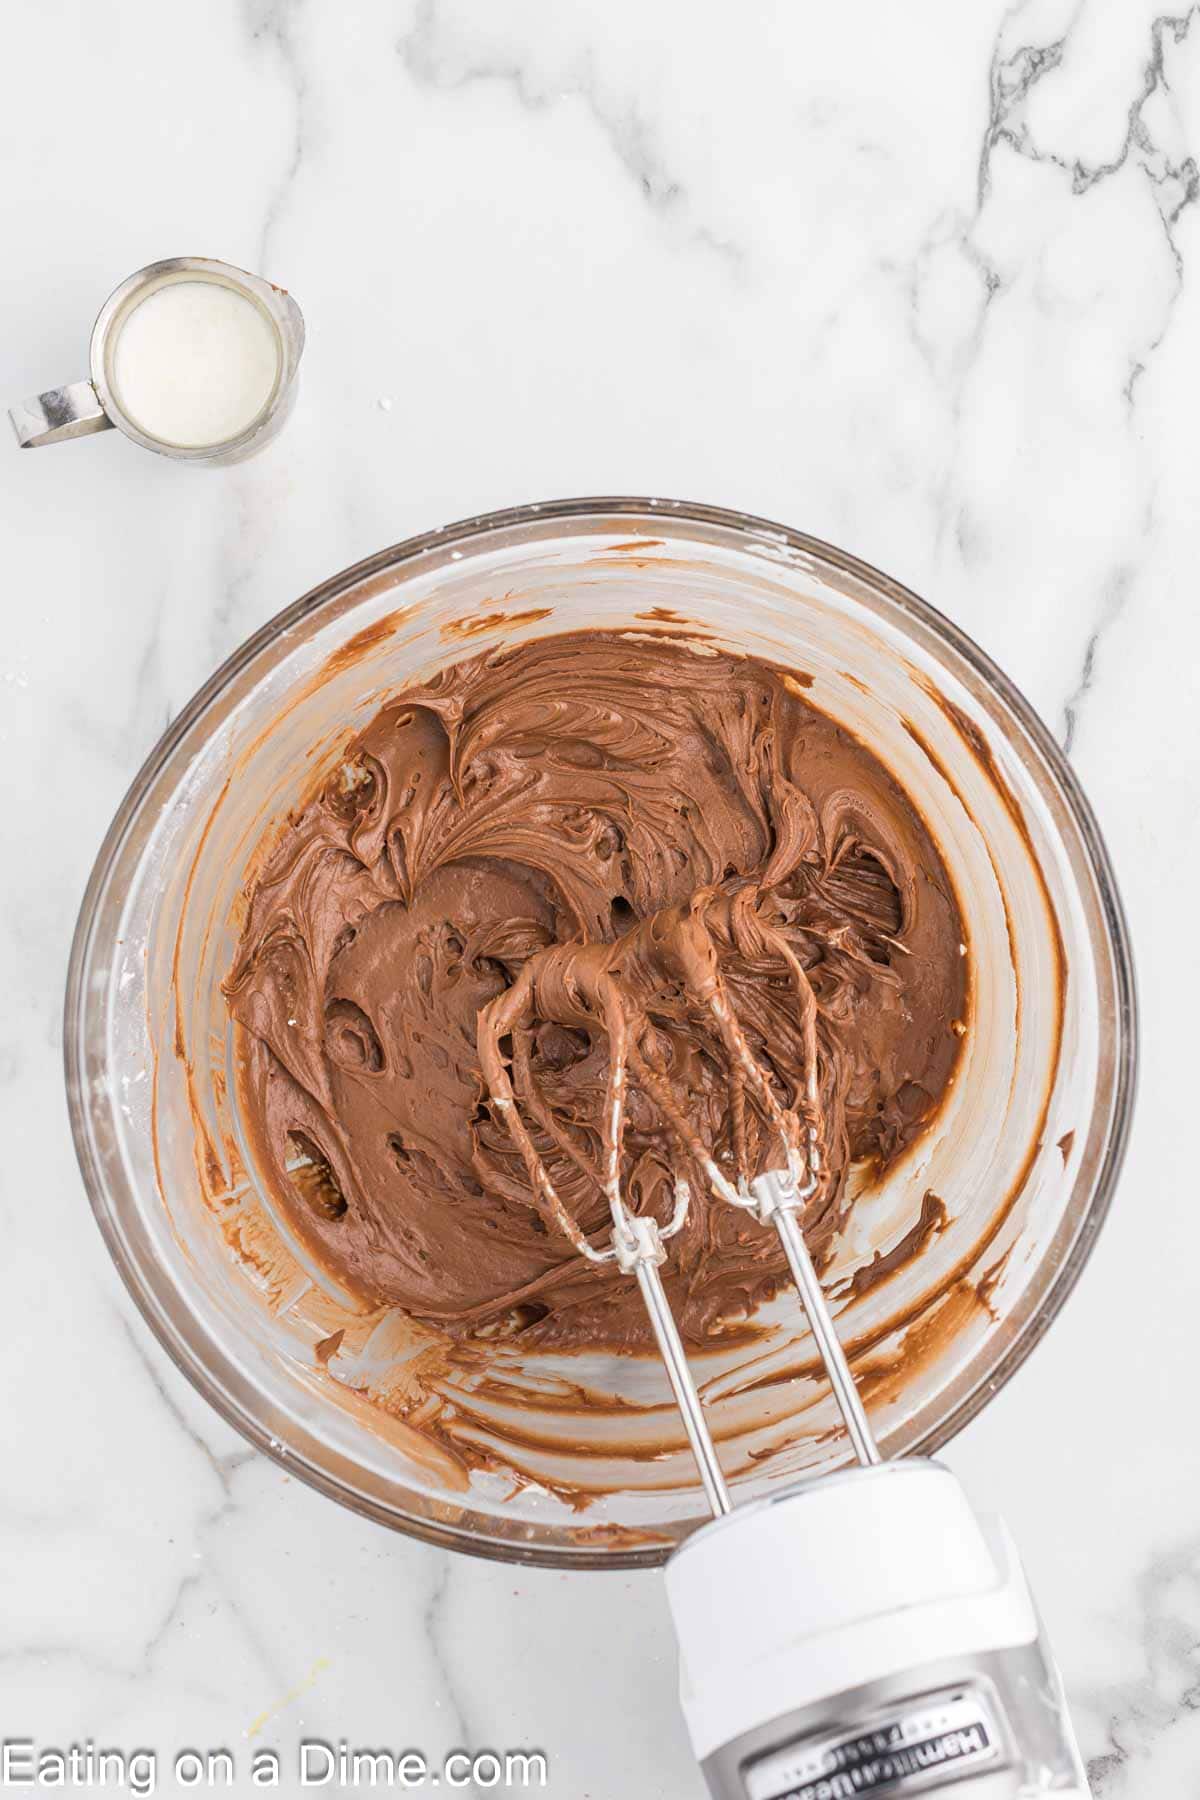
[(914, 279)]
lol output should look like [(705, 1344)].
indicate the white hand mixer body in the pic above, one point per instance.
[(866, 1633)]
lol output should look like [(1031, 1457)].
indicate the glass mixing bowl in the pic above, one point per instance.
[(1023, 1153)]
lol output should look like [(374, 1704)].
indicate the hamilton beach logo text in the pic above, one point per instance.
[(864, 1764)]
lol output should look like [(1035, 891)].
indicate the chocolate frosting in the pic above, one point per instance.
[(561, 793)]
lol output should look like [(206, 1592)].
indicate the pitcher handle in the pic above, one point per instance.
[(59, 414)]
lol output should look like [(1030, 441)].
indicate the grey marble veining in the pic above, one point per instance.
[(919, 280)]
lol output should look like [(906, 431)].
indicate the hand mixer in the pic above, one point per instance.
[(864, 1632)]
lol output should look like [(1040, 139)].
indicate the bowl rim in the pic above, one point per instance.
[(482, 526)]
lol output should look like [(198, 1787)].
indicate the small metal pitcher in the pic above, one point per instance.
[(87, 406)]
